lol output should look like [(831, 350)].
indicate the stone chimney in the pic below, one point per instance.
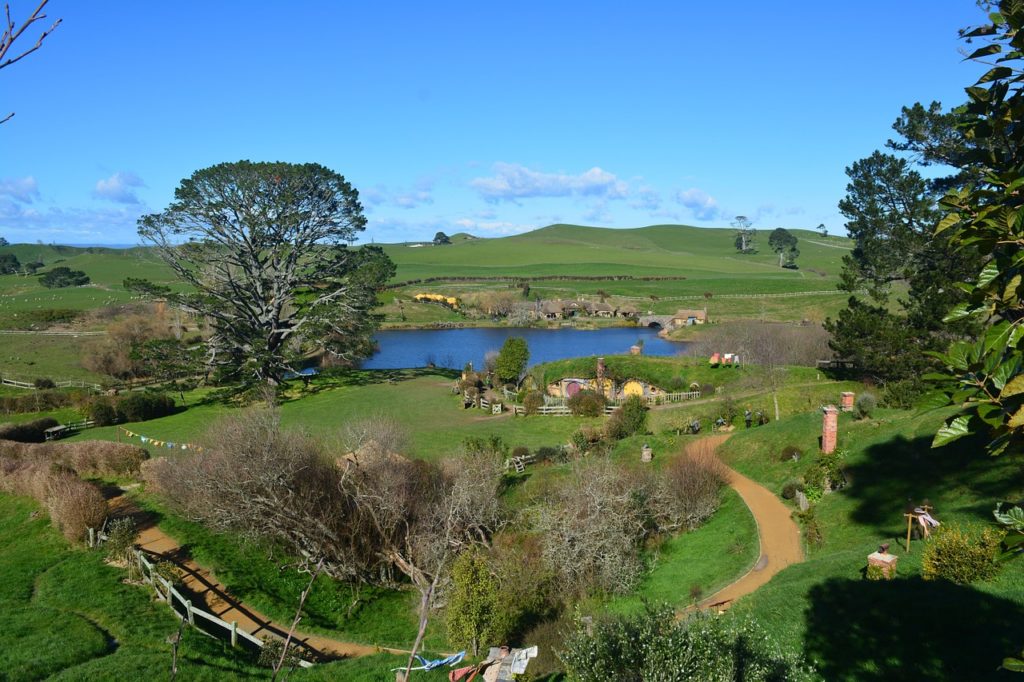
[(829, 429)]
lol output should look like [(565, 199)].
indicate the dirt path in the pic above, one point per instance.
[(216, 599), (778, 534)]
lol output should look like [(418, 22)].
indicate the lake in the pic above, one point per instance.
[(453, 348)]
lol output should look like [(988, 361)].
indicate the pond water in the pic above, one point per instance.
[(453, 348)]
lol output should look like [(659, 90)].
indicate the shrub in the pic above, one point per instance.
[(790, 453), (37, 401), (546, 453), (473, 602), (137, 407), (101, 411), (813, 534), (120, 540), (627, 420), (961, 555), (75, 506), (696, 480), (875, 572), (44, 383), (533, 401), (790, 489), (903, 394), (63, 277), (87, 458), (579, 441), (28, 432), (707, 390), (865, 404), (587, 404), (656, 645), (520, 451)]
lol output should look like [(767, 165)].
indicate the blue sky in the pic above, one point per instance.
[(491, 118)]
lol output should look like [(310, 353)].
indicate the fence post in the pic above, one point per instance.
[(92, 537), (188, 612), (234, 633)]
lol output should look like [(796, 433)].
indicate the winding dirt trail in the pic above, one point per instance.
[(778, 534), (215, 597)]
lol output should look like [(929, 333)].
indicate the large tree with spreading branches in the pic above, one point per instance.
[(264, 251)]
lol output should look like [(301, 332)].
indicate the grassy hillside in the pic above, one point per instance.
[(672, 250), (909, 628)]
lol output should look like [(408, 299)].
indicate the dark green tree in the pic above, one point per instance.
[(474, 605), (512, 359), (8, 263), (983, 375), (783, 242), (171, 362), (61, 277), (441, 238), (263, 248), (4, 242)]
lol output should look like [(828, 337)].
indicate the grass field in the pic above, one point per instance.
[(909, 628)]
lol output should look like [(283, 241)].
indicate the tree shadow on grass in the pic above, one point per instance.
[(910, 630), (903, 470)]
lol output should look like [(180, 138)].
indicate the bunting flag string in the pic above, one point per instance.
[(161, 443)]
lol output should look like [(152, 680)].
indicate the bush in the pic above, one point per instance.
[(60, 277), (121, 540), (137, 407), (556, 455), (44, 383), (587, 404), (520, 451), (961, 555), (696, 480), (28, 432), (533, 401), (73, 504), (87, 458), (789, 490), (865, 404), (903, 394), (790, 453), (627, 420), (813, 534), (875, 572), (101, 411), (655, 645)]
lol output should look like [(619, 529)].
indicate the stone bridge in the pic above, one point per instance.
[(657, 321)]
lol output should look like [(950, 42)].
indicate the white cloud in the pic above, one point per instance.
[(646, 199), (702, 204), (598, 214), (107, 225), (512, 182), (24, 189), (420, 194), (492, 228), (118, 188)]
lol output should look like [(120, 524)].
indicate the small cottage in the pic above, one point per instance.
[(602, 310), (686, 318)]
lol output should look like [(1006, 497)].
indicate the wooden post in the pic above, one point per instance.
[(188, 612), (92, 537), (910, 521), (234, 633)]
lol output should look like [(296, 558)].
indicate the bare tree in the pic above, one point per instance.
[(13, 32)]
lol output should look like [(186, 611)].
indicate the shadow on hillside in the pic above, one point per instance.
[(903, 470), (910, 630)]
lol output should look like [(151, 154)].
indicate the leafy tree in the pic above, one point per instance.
[(4, 242), (441, 238), (783, 242), (8, 263), (263, 249), (744, 241), (986, 217), (512, 359), (169, 361), (474, 601), (822, 229), (61, 277), (33, 266)]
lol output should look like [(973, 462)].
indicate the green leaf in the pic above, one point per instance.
[(949, 221), (933, 400), (952, 430), (996, 73), (984, 51), (988, 273), (1013, 665)]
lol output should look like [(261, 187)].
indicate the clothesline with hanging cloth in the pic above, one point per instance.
[(170, 445)]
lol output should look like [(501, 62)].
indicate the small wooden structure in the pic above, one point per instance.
[(915, 517), (646, 454)]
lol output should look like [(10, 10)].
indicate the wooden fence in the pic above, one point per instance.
[(558, 407), (184, 609), (8, 380)]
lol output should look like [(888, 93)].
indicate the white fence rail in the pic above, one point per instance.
[(167, 592)]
